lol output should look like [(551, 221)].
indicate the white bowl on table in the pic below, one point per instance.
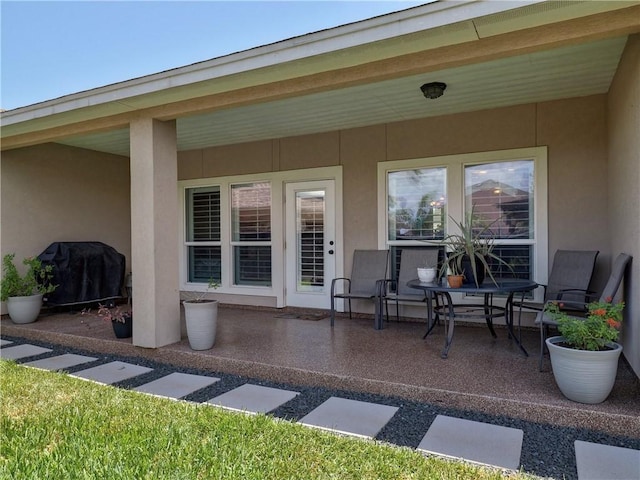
[(426, 275)]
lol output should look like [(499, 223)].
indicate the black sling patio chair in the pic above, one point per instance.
[(368, 271), (396, 290), (608, 293), (569, 279)]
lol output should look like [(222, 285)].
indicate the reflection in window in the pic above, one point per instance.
[(417, 204), (501, 195), (251, 233), (203, 234)]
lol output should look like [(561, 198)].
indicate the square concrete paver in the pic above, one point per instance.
[(5, 342), (352, 417), (597, 462), (61, 362), (176, 385), (112, 372), (21, 351), (253, 398), (474, 441)]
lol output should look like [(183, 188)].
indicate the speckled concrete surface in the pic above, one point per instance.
[(481, 373)]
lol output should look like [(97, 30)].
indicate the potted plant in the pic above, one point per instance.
[(201, 318), (584, 359), (24, 293), (121, 320), (469, 250)]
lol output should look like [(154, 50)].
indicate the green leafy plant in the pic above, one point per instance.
[(199, 297), (37, 278), (600, 327), (473, 241)]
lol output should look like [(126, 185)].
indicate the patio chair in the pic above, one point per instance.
[(368, 271), (396, 290), (609, 292), (569, 279)]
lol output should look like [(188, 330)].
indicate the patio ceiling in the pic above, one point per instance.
[(356, 75), (572, 71)]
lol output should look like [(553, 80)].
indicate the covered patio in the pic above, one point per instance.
[(299, 347)]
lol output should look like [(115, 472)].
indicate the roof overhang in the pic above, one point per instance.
[(345, 74)]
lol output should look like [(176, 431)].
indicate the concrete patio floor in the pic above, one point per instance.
[(481, 373)]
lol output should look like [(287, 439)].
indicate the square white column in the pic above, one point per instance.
[(154, 233)]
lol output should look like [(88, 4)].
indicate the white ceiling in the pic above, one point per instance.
[(572, 71)]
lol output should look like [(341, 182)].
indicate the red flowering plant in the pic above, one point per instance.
[(600, 327), (115, 314)]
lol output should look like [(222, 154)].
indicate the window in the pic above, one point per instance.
[(501, 196), (251, 233), (507, 190), (250, 226), (203, 234), (416, 204)]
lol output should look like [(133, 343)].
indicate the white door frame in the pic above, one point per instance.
[(310, 296)]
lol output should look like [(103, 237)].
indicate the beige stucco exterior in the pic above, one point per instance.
[(53, 193), (50, 192), (623, 180)]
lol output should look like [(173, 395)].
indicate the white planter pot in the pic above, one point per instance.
[(201, 319), (426, 275), (584, 376), (24, 309)]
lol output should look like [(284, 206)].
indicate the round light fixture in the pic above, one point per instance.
[(433, 90)]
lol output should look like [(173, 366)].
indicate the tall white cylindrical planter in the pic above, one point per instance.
[(24, 309), (201, 318), (582, 375)]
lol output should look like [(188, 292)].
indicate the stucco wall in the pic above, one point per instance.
[(624, 187), (53, 193), (574, 131)]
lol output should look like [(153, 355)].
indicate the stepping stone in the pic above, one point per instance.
[(596, 461), (351, 417), (253, 398), (475, 441), (22, 351), (176, 385), (112, 372), (5, 342), (61, 362)]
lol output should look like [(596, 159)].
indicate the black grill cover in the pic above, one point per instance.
[(84, 272)]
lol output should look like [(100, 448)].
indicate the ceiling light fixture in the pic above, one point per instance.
[(433, 90)]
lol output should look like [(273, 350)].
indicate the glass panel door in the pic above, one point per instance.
[(310, 246)]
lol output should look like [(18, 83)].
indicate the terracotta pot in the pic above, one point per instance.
[(455, 281)]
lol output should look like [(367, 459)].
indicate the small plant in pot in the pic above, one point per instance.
[(121, 320), (584, 359), (201, 318), (24, 293), (470, 249)]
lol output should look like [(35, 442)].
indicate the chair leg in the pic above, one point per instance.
[(542, 344), (349, 309), (333, 309)]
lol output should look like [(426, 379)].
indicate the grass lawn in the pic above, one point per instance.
[(58, 427)]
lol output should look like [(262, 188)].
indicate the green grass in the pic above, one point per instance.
[(58, 427)]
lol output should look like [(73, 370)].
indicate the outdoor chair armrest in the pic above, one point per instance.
[(586, 293), (570, 305), (334, 283), (383, 286)]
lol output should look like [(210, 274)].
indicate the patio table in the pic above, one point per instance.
[(489, 311)]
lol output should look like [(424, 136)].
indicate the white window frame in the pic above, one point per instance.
[(455, 189), (278, 182)]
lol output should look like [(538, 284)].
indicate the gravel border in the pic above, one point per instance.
[(547, 450)]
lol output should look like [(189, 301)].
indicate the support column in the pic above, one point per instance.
[(154, 233)]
